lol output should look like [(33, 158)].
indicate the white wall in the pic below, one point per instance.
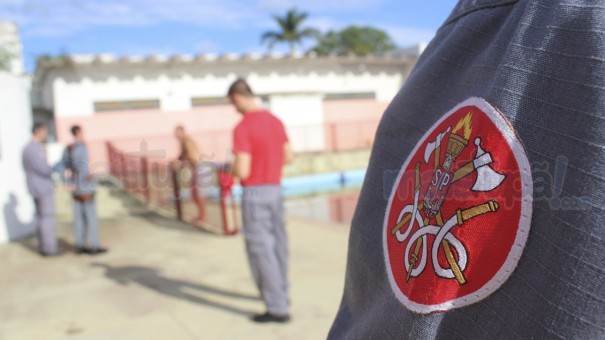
[(15, 132), (304, 117), (75, 89)]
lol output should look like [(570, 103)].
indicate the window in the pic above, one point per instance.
[(209, 101), (127, 105), (358, 95)]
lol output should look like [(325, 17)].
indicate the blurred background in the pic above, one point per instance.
[(130, 71)]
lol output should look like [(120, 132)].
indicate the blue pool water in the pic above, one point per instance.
[(327, 197), (317, 184), (305, 185), (299, 186)]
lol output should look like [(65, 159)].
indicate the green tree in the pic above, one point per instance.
[(354, 39), (6, 57), (290, 30)]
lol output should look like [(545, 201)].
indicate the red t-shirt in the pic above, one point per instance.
[(263, 136)]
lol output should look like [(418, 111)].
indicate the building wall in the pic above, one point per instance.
[(352, 124), (342, 125), (152, 132), (342, 111), (15, 132), (75, 89), (303, 115), (314, 97)]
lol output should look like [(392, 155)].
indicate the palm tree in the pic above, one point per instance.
[(290, 32)]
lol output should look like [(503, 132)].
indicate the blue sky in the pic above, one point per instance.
[(141, 27)]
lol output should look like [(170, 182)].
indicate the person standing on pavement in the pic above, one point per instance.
[(190, 155), (82, 184), (38, 174), (261, 149)]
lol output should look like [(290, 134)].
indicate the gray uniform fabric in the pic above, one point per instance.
[(542, 63), (38, 174), (267, 244), (85, 213), (77, 161), (46, 224), (86, 225)]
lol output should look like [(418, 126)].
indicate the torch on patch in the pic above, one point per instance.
[(460, 211)]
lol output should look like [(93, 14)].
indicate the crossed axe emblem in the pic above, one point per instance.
[(430, 205)]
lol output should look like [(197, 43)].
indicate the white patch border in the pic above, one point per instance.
[(503, 274)]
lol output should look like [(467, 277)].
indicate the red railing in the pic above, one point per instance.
[(163, 186), (216, 145), (141, 165)]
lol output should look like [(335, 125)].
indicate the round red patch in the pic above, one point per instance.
[(459, 213)]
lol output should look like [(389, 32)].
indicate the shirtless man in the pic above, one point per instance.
[(190, 155)]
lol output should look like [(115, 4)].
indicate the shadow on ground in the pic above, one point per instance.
[(31, 244), (175, 288)]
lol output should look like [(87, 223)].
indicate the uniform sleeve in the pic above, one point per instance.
[(80, 159), (241, 140), (38, 162)]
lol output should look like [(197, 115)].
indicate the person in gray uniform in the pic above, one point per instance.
[(38, 174), (481, 214), (82, 184)]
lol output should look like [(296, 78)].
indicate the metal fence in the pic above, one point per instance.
[(143, 168), (169, 188)]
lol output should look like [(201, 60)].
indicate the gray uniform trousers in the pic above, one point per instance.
[(86, 224), (46, 223), (267, 244)]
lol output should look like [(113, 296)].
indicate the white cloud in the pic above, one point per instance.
[(63, 17), (275, 5), (402, 35), (207, 46), (325, 23), (320, 5)]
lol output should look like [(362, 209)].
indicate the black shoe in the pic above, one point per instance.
[(81, 250), (96, 251), (45, 254), (268, 317)]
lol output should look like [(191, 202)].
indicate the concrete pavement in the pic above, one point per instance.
[(163, 280)]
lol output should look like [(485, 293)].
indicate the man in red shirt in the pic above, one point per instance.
[(261, 148)]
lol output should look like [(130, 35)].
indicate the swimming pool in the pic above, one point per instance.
[(317, 184), (327, 197)]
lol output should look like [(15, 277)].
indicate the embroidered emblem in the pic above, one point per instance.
[(460, 211)]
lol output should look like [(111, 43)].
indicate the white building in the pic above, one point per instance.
[(17, 218), (15, 132), (130, 99)]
